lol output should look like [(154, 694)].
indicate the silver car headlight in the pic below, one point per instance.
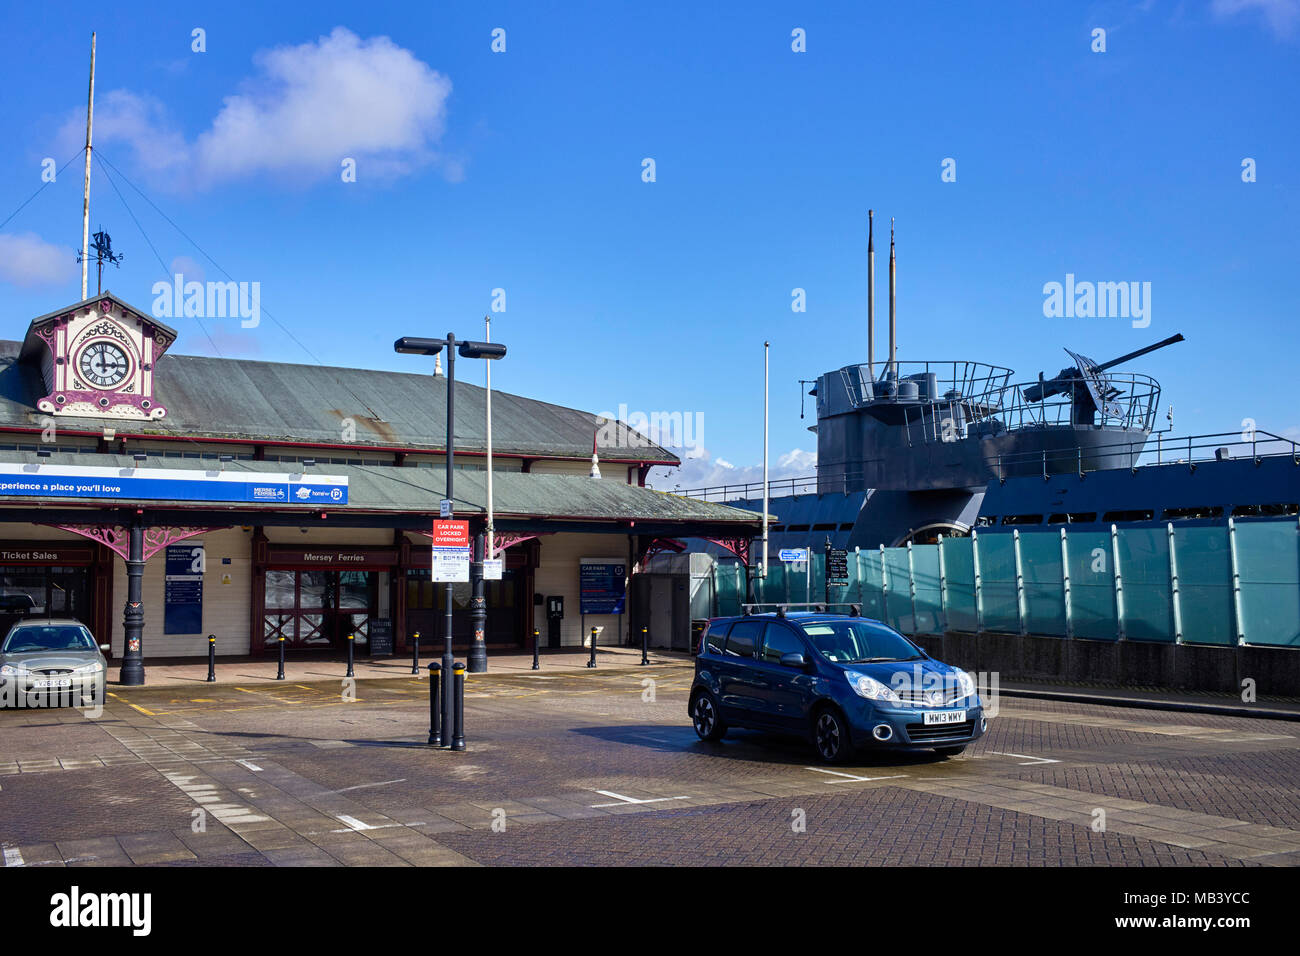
[(870, 688), (13, 670), (93, 668), (965, 684)]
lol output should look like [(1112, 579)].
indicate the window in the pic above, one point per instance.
[(798, 527), (1073, 517), (1022, 519), (778, 641), (1204, 511), (1265, 511), (715, 639), (859, 641), (1128, 516), (743, 637)]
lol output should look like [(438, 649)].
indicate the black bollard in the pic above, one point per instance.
[(415, 653), (458, 733), (280, 674), (537, 640), (644, 639), (212, 658), (592, 662), (435, 708), (350, 644)]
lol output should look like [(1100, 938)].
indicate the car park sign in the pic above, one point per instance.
[(790, 555)]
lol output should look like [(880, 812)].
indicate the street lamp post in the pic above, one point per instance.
[(478, 650)]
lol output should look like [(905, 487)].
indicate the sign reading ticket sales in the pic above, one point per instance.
[(450, 551)]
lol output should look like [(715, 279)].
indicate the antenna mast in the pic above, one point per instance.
[(871, 295), (85, 199), (893, 363)]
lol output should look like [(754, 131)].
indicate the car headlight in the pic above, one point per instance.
[(11, 670), (93, 668), (869, 687), (965, 684)]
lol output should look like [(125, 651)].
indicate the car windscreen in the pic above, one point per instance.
[(48, 637), (859, 642)]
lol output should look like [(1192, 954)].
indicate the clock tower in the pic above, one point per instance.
[(97, 359)]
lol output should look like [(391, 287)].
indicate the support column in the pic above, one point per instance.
[(132, 674), (478, 609)]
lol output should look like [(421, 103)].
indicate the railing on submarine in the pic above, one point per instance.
[(1161, 448)]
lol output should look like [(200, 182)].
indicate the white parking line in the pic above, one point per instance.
[(362, 786), (13, 857), (1028, 760), (353, 823), (250, 765), (852, 778), (629, 800)]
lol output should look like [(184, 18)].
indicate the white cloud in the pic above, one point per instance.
[(704, 471), (1282, 16), (28, 260), (307, 109)]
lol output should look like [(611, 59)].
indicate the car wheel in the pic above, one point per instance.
[(831, 736), (950, 751), (704, 716)]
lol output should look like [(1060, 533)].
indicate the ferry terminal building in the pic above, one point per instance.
[(275, 500)]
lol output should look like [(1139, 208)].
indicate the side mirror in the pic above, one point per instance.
[(105, 647), (793, 660)]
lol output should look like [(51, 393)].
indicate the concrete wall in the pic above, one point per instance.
[(1272, 671)]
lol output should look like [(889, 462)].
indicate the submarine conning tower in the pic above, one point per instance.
[(955, 424)]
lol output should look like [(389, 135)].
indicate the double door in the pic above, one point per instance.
[(319, 608)]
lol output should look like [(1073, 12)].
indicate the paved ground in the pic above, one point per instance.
[(592, 768)]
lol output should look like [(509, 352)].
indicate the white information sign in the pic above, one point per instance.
[(450, 565), (492, 569)]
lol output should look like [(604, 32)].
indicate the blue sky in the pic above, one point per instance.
[(522, 171)]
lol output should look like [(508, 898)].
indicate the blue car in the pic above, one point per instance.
[(842, 681)]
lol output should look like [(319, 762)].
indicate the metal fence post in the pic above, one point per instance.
[(415, 653), (1175, 599), (911, 582), (1020, 580), (979, 590), (458, 728), (435, 708), (351, 641), (592, 662), (1119, 583), (280, 673), (943, 590), (884, 587), (857, 570), (212, 658), (1065, 586), (1237, 616)]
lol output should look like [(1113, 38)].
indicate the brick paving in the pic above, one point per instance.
[(601, 767)]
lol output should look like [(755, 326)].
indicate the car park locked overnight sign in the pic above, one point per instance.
[(450, 551)]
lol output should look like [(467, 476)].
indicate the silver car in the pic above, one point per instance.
[(50, 661)]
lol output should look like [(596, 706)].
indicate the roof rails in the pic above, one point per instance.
[(855, 610)]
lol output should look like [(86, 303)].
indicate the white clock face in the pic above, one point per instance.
[(103, 364)]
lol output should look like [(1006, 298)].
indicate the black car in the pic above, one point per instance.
[(842, 681)]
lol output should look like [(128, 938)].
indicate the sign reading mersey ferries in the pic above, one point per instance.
[(170, 484)]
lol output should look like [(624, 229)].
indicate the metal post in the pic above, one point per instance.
[(1119, 583), (979, 591), (448, 657), (1065, 586), (857, 568), (478, 609), (415, 653), (537, 640), (826, 571), (279, 675), (645, 638), (1175, 599), (911, 587), (132, 674), (1238, 622), (458, 732), (435, 711), (212, 658), (1020, 581), (943, 590), (884, 587), (351, 645), (592, 662)]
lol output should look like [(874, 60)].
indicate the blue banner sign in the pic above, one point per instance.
[(183, 589), (170, 484), (602, 585)]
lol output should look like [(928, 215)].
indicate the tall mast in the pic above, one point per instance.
[(85, 198), (871, 295), (893, 347)]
